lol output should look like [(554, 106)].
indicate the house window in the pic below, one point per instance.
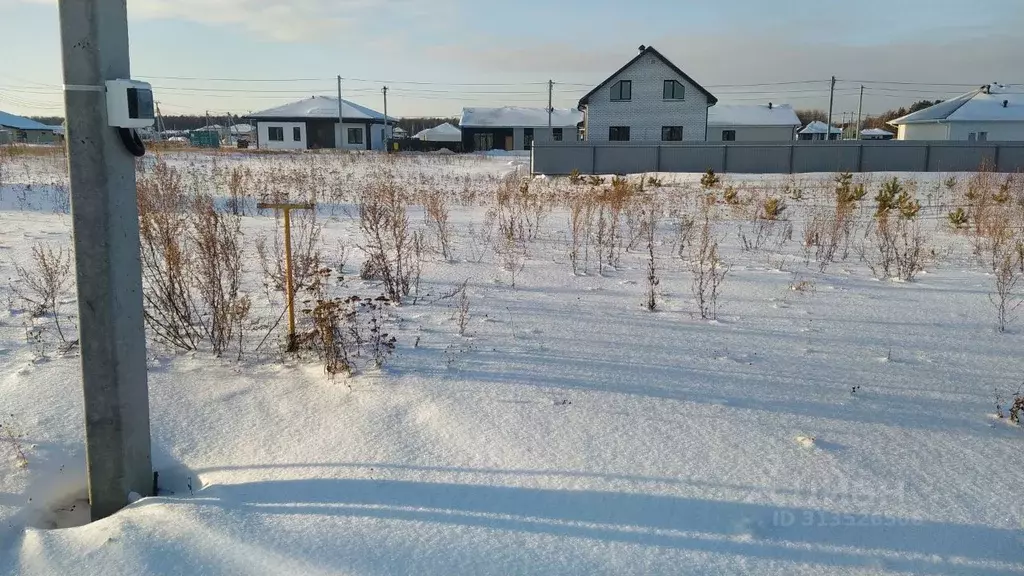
[(982, 136), (297, 134), (355, 135), (618, 134), (527, 138), (672, 133), (275, 133), (622, 91), (483, 141), (728, 135), (673, 90), (556, 134), (972, 137)]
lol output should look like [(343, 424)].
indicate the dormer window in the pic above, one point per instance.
[(622, 91), (673, 90)]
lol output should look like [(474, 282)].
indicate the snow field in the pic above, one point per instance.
[(570, 431)]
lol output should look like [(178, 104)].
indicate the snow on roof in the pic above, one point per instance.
[(518, 117), (875, 132), (443, 133), (755, 115), (21, 123), (985, 104), (320, 107), (241, 129), (818, 127)]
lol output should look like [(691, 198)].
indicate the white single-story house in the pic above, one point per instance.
[(398, 132), (18, 129), (993, 112), (443, 133), (876, 134), (313, 123), (515, 127), (816, 131), (752, 123), (648, 100)]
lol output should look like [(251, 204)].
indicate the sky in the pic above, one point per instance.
[(438, 56)]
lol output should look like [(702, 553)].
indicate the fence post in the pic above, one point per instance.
[(860, 157), (792, 153), (657, 158), (593, 159), (927, 156), (725, 158), (995, 159)]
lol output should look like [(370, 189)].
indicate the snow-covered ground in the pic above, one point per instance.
[(843, 428)]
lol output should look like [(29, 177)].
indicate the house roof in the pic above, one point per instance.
[(650, 50), (875, 132), (755, 115), (518, 117), (21, 123), (982, 105), (443, 133), (320, 107), (819, 127)]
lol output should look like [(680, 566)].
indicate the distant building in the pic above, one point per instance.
[(313, 123), (757, 123), (876, 134), (399, 133), (992, 112), (816, 131), (443, 133), (21, 130), (648, 100), (515, 128)]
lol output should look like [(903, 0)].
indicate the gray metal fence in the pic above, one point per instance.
[(560, 158)]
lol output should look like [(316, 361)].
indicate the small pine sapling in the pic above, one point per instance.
[(709, 180)]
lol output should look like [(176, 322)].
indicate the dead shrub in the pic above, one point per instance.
[(436, 210), (14, 438), (650, 227), (896, 237), (164, 230), (384, 222), (45, 282), (708, 271), (829, 231), (343, 330), (581, 217), (510, 216), (217, 275)]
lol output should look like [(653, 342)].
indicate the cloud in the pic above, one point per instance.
[(285, 20)]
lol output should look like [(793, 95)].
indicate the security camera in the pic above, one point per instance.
[(129, 104)]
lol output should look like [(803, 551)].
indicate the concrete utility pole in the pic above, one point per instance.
[(860, 111), (159, 123), (831, 101), (385, 138), (105, 220), (551, 89), (341, 118)]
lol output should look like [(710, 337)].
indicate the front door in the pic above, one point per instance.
[(509, 143), (320, 134)]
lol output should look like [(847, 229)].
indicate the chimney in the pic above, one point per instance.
[(986, 89), (770, 105), (1006, 103), (642, 47)]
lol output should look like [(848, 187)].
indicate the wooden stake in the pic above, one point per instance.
[(289, 285)]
